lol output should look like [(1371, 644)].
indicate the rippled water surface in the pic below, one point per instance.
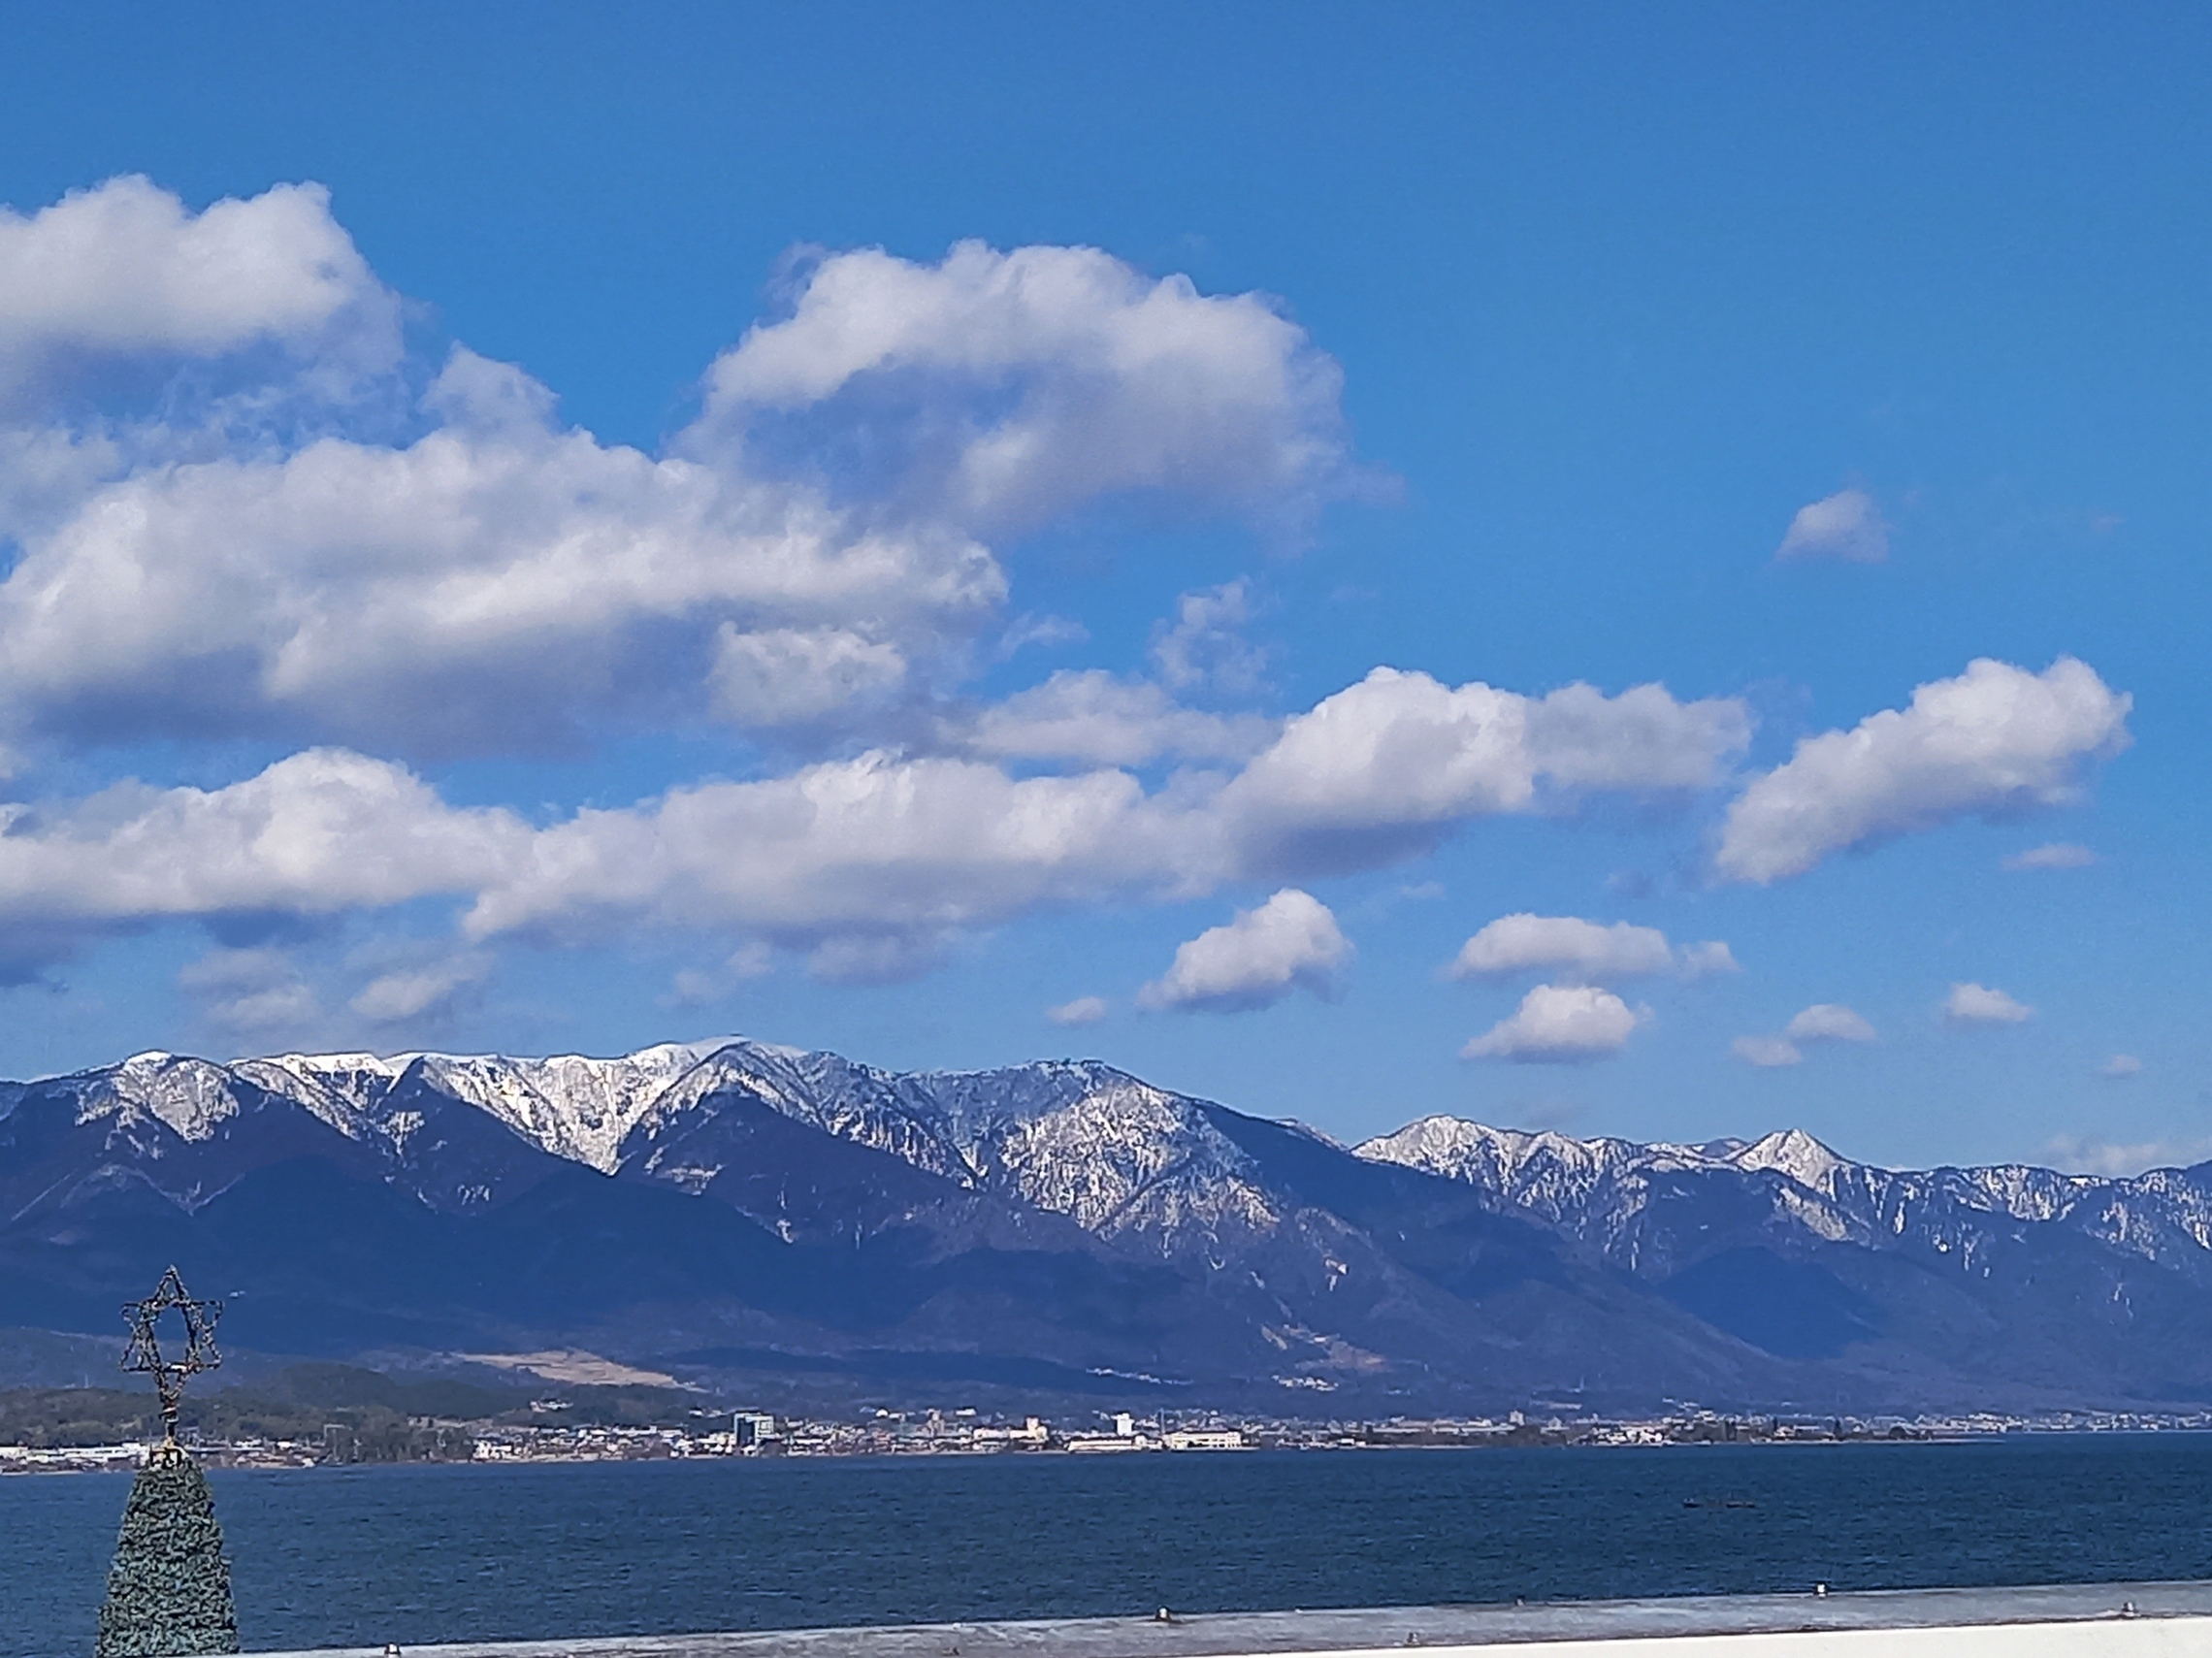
[(414, 1555)]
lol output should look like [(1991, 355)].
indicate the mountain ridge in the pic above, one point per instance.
[(730, 1195)]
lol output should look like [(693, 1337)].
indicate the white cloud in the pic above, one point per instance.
[(1845, 525), (250, 992), (317, 833), (873, 865), (1582, 951), (1641, 740), (1768, 1052), (1997, 739), (412, 992), (690, 987), (1205, 645), (1829, 1021), (1392, 765), (924, 847), (1707, 959), (474, 592), (2057, 855), (1018, 385), (125, 271), (1977, 1004), (1095, 718), (695, 987), (1584, 948), (2120, 1067), (871, 850), (1084, 1010), (1823, 1022), (2122, 1162), (1559, 1024), (791, 676), (499, 585), (1045, 632), (1290, 942), (288, 544)]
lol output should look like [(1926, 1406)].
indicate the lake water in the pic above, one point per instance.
[(414, 1555)]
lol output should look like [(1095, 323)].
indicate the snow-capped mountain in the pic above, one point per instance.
[(1077, 1139), (737, 1205), (1604, 1192)]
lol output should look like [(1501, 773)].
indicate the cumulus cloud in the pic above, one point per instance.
[(870, 864), (922, 847), (793, 676), (435, 568), (1768, 1052), (1581, 950), (1823, 1022), (872, 851), (1095, 718), (1845, 525), (1587, 948), (1009, 387), (1084, 1010), (1995, 741), (1392, 765), (1291, 942), (1829, 1021), (1977, 1004), (497, 584), (1559, 1024), (474, 592), (2057, 855), (2120, 1067), (316, 833), (1205, 645), (125, 270)]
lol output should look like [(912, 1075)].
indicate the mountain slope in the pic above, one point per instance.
[(733, 1205), (2074, 1283)]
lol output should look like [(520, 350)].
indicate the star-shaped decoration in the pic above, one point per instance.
[(145, 1352)]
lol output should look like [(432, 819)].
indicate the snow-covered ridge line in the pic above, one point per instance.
[(1602, 1190), (1081, 1139), (582, 1107), (1073, 1137)]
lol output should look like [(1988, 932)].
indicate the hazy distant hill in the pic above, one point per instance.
[(733, 1206)]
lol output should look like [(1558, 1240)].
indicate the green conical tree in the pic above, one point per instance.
[(169, 1591)]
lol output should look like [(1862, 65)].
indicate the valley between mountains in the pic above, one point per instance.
[(734, 1212)]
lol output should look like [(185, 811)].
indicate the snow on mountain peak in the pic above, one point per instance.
[(571, 1104), (1459, 1148), (1794, 1153), (1462, 1150), (187, 1097)]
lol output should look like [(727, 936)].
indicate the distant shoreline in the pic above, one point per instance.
[(229, 1459)]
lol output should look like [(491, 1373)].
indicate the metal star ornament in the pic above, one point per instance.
[(145, 1352)]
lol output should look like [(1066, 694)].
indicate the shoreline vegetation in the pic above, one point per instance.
[(315, 1416)]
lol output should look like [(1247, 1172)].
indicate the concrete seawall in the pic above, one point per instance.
[(2120, 1620)]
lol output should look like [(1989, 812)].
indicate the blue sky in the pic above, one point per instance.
[(432, 619)]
